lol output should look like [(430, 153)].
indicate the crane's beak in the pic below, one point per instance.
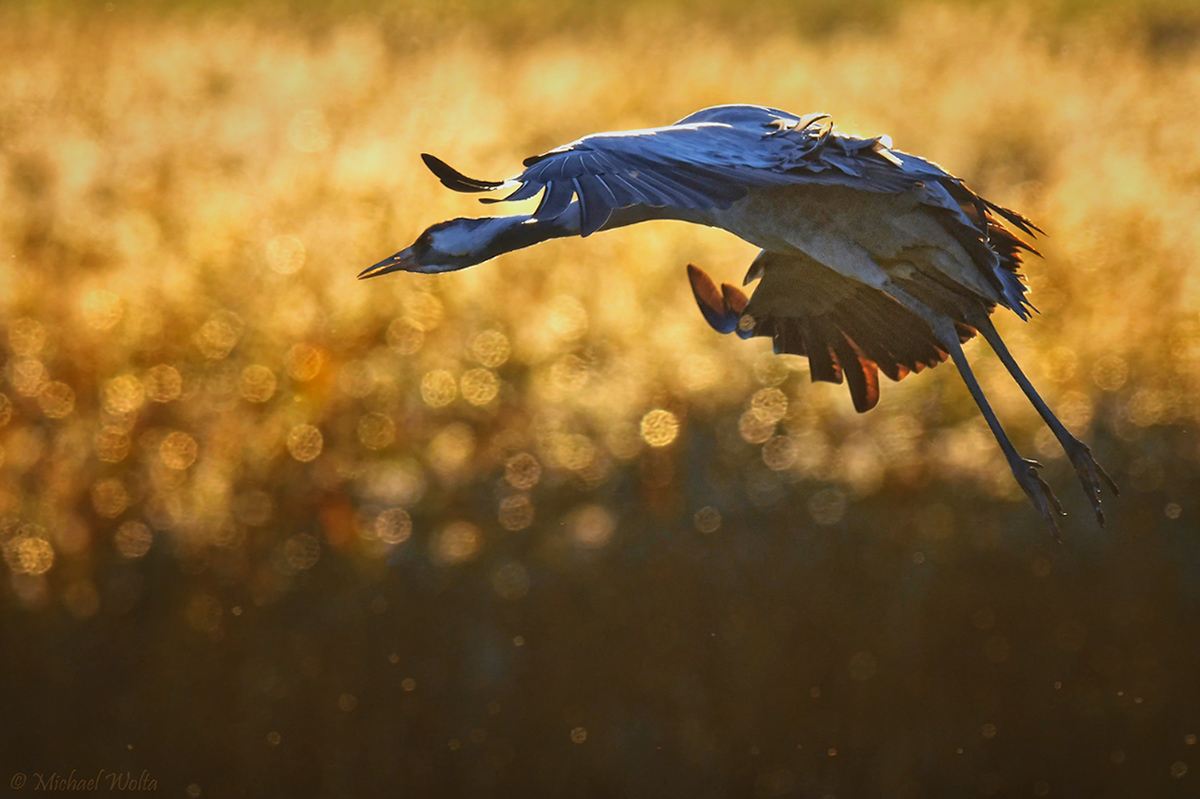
[(402, 261)]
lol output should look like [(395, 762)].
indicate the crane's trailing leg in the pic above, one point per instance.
[(1023, 469), (1081, 457)]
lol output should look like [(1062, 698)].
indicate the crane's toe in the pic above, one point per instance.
[(1039, 493), (1090, 473)]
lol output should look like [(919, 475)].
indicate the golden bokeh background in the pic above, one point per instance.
[(533, 528)]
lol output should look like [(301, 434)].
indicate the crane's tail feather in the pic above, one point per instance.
[(861, 335), (451, 178)]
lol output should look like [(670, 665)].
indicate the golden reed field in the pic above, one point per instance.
[(533, 528)]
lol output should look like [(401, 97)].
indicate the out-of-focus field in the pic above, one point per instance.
[(533, 528)]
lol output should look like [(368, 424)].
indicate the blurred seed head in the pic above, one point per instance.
[(393, 526), (258, 383), (163, 383), (302, 551), (456, 542), (479, 386), (109, 497), (305, 442), (516, 512), (438, 388), (26, 337), (124, 394), (755, 429), (707, 519), (133, 539), (111, 444), (591, 527), (522, 471), (304, 362), (178, 450), (57, 400), (28, 552), (219, 334), (779, 453), (376, 431), (659, 427), (1110, 372), (491, 348), (28, 375), (827, 506)]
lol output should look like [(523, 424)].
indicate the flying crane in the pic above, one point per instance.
[(872, 260)]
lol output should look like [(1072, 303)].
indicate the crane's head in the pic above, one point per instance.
[(447, 246)]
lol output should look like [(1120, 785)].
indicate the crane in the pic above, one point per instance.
[(872, 260)]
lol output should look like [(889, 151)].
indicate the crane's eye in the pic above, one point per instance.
[(423, 242)]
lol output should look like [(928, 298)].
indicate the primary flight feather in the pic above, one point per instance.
[(872, 259)]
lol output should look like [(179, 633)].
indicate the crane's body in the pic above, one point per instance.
[(872, 259)]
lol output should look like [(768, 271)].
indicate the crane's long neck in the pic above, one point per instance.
[(510, 233), (490, 237), (460, 243)]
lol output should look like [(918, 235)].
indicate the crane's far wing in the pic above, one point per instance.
[(706, 161)]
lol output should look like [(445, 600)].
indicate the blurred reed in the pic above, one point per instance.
[(190, 363)]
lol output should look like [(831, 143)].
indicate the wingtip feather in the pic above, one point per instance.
[(451, 178)]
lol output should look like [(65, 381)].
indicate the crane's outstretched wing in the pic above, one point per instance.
[(707, 160), (713, 158)]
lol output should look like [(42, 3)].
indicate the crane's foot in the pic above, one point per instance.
[(1088, 471), (1039, 493)]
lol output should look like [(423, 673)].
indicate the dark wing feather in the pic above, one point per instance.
[(451, 178), (557, 197)]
